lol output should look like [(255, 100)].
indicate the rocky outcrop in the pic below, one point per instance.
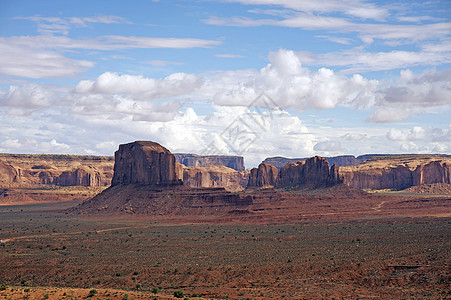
[(193, 160), (215, 177), (314, 172), (144, 162), (262, 177), (398, 173), (33, 170)]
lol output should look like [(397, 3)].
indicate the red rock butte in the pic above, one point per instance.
[(144, 162)]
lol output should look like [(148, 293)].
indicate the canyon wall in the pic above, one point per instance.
[(27, 170), (193, 160), (398, 173)]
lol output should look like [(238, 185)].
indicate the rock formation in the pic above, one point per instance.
[(32, 170), (314, 172), (263, 176), (144, 162), (341, 160), (398, 172), (215, 176), (193, 160)]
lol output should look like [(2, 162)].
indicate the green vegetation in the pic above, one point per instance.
[(178, 294)]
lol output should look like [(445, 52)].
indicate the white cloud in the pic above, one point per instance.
[(310, 15), (291, 85), (177, 84), (52, 25), (354, 136), (41, 57), (328, 146), (412, 93), (358, 60), (419, 133), (356, 8)]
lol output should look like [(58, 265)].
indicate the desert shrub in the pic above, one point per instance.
[(178, 294), (46, 296), (92, 293), (155, 290), (3, 287)]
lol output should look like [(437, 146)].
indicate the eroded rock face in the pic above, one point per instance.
[(314, 172), (32, 170), (263, 176), (398, 173), (78, 177), (215, 177), (144, 162), (193, 160)]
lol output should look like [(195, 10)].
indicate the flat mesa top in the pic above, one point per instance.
[(147, 146)]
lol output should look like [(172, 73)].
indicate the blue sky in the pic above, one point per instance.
[(256, 78)]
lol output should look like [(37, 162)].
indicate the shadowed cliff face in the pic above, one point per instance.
[(263, 176), (144, 162), (314, 172)]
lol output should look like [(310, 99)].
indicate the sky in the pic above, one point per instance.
[(254, 78)]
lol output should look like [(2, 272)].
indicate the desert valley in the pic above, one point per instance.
[(151, 224)]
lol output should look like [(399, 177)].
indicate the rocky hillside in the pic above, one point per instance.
[(23, 170), (193, 160), (398, 172)]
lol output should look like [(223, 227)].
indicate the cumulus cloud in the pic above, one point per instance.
[(419, 133), (412, 93), (420, 139), (25, 99), (289, 84)]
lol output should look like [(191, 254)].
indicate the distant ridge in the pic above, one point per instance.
[(341, 160)]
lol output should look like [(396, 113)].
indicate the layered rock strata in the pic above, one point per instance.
[(398, 172)]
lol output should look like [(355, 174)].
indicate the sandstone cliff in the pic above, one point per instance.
[(262, 177), (398, 172), (27, 170), (341, 160), (214, 177), (144, 162), (193, 160), (314, 172)]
